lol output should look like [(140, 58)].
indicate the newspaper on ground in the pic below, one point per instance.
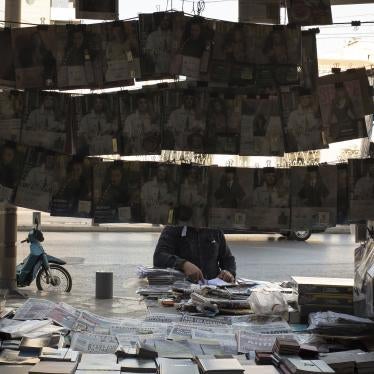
[(65, 315), (34, 309), (93, 343), (91, 322), (163, 318), (17, 329)]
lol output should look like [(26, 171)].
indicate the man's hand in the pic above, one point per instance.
[(192, 271), (226, 276)]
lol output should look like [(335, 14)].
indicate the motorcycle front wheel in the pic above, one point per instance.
[(60, 282)]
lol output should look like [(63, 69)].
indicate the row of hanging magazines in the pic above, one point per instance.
[(157, 46), (166, 193), (188, 116)]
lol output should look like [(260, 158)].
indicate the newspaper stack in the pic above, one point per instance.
[(337, 324), (342, 362), (158, 276)]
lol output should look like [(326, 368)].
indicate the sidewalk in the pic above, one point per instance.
[(69, 224)]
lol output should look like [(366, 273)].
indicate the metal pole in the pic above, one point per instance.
[(8, 248), (8, 213)]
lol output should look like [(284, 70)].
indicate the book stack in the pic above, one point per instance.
[(49, 367), (138, 365), (98, 362), (220, 366), (365, 363), (260, 370), (156, 276), (342, 362), (324, 294), (176, 366), (286, 346), (263, 358), (296, 366)]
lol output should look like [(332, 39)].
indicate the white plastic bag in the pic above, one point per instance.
[(266, 302)]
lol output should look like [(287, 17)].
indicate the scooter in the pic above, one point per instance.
[(48, 271)]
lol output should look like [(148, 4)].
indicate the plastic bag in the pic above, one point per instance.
[(266, 302)]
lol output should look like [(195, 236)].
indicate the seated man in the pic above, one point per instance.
[(201, 253)]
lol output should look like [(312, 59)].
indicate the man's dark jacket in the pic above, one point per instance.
[(206, 248)]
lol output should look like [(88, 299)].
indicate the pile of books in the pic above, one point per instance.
[(297, 366), (156, 276), (286, 346), (324, 294)]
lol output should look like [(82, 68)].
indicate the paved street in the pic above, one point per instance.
[(264, 257)]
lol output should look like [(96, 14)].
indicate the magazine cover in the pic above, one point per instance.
[(116, 193), (313, 197), (309, 12), (343, 106), (120, 49), (7, 68), (141, 122), (304, 128), (361, 181), (277, 45), (261, 127), (40, 179), (184, 119), (96, 123), (159, 193), (192, 196), (233, 52), (230, 197), (271, 199), (11, 167), (193, 37), (11, 109), (79, 56), (73, 195), (223, 121), (35, 56), (46, 123), (160, 34)]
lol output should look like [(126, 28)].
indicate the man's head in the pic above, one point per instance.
[(116, 174), (270, 177), (142, 104), (161, 174), (188, 100), (78, 39), (48, 102), (195, 31), (8, 154), (165, 23), (230, 174), (371, 170), (77, 169), (312, 176), (98, 105)]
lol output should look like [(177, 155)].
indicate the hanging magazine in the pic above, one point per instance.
[(79, 56), (261, 127), (120, 52), (313, 197), (270, 208), (11, 165), (11, 109), (309, 12), (116, 192), (159, 193), (361, 175), (230, 197), (35, 56), (46, 123), (73, 196), (96, 123), (7, 69), (140, 115)]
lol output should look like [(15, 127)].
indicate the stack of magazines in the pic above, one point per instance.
[(158, 276)]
